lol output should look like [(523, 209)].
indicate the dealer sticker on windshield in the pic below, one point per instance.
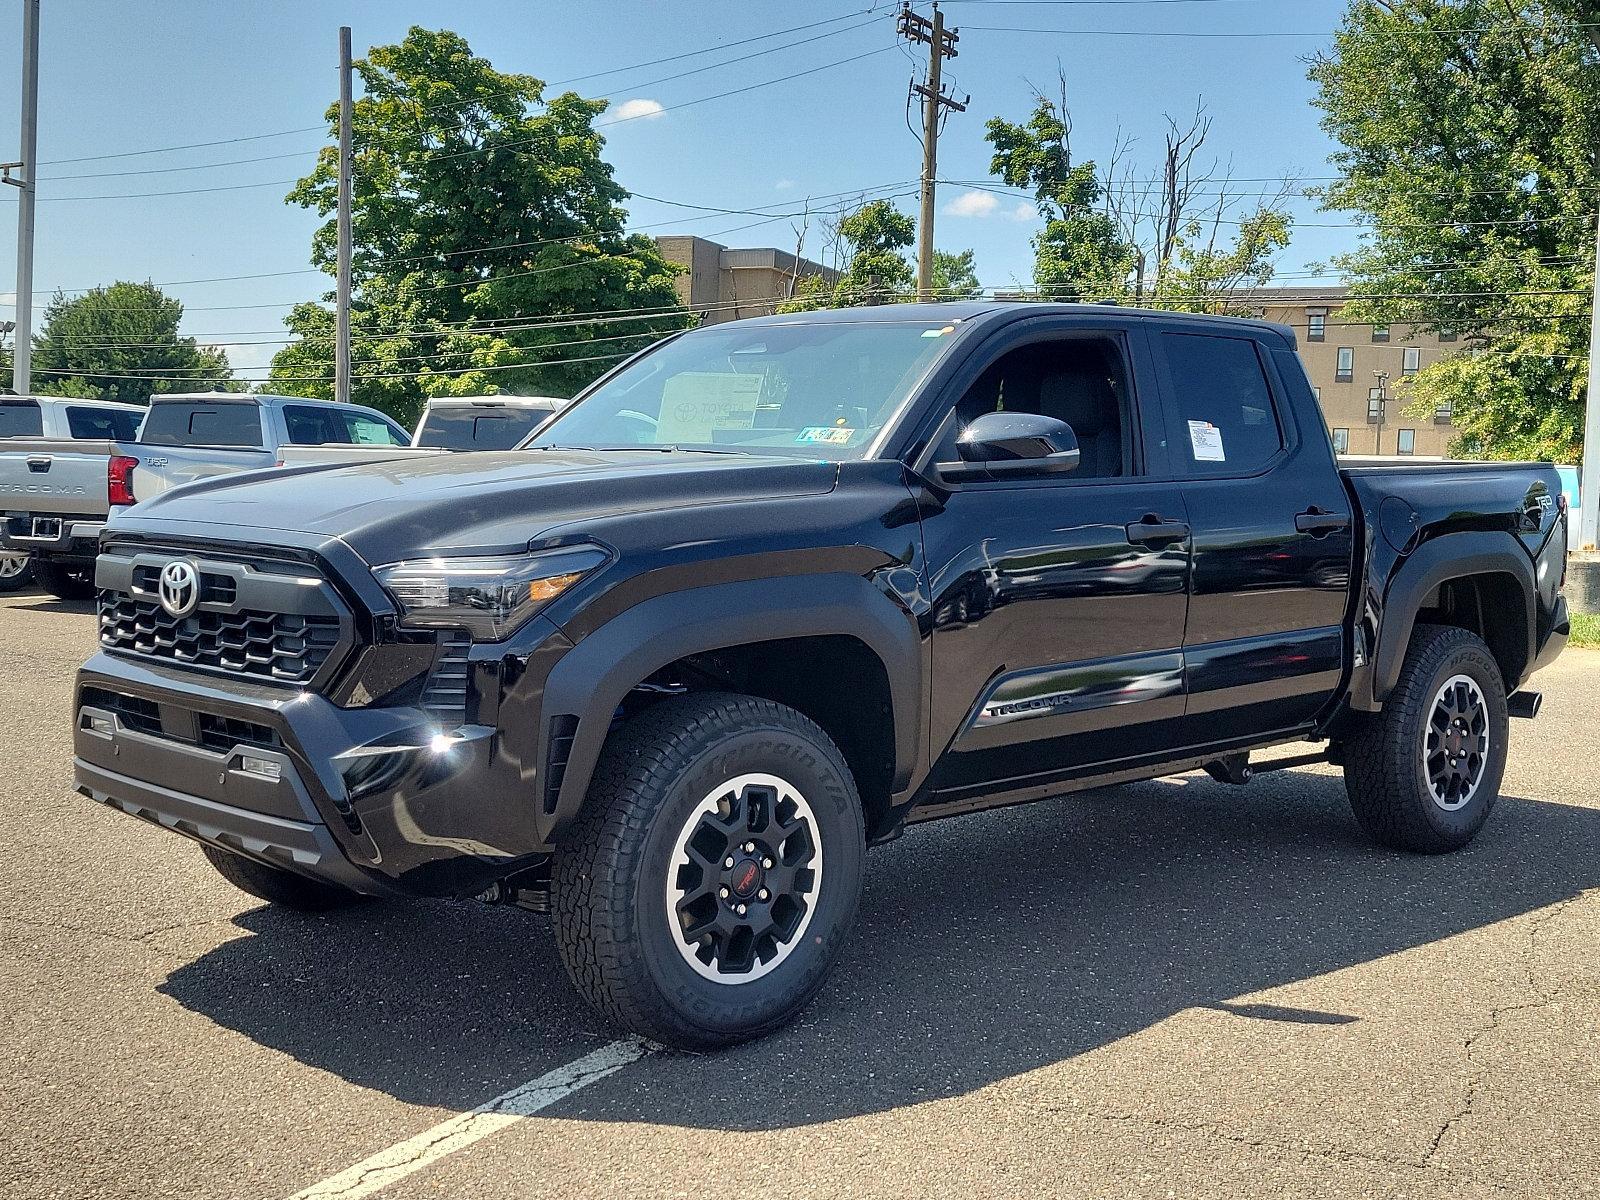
[(1205, 439), (837, 435)]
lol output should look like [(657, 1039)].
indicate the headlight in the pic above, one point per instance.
[(488, 597)]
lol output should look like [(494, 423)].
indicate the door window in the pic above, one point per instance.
[(1226, 423), (1080, 380), (92, 424), (311, 425)]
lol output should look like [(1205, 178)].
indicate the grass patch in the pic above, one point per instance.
[(1586, 630)]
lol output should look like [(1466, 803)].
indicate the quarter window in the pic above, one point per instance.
[(1226, 421), (1345, 370)]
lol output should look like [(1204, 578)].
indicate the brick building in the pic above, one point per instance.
[(727, 284), (1341, 358)]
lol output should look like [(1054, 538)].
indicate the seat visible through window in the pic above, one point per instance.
[(1078, 380)]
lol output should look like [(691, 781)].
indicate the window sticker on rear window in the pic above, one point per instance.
[(831, 435), (1205, 439)]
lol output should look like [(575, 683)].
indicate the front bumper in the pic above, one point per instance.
[(375, 799)]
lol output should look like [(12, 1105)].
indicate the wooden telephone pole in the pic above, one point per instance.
[(941, 43)]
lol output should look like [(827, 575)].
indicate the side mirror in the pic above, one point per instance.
[(999, 445)]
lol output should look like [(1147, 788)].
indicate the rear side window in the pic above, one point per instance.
[(22, 419), (1226, 424), (310, 425), (479, 429), (93, 424), (237, 426)]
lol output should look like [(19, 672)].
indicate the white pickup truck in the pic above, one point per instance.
[(53, 456), (55, 495)]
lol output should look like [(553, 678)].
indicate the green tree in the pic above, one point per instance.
[(1468, 133), (121, 343), (878, 234), (954, 275), (486, 226)]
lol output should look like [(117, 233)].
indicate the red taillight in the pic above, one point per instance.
[(119, 479)]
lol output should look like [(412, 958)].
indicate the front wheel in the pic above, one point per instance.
[(1423, 774), (713, 875), (63, 581)]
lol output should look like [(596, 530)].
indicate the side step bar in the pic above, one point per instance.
[(1524, 704)]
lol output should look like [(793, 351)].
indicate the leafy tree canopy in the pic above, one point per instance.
[(121, 343), (1468, 133), (954, 276), (486, 226), (874, 239)]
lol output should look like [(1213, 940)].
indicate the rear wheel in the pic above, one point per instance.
[(64, 580), (714, 872), (275, 886), (1423, 774), (16, 572)]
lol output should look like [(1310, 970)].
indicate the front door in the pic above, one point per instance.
[(1057, 604)]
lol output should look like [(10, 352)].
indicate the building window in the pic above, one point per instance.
[(1375, 404), (1316, 327), (1380, 333), (1317, 392), (1411, 361), (1406, 442), (1447, 335), (1346, 369), (1341, 441), (1444, 413)]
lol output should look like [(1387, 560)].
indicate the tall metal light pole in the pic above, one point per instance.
[(1589, 485), (22, 345), (341, 352)]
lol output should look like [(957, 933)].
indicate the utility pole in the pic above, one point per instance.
[(1589, 484), (941, 43), (341, 351), (22, 344), (1383, 396)]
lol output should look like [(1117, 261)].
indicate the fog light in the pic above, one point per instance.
[(262, 768), (96, 723)]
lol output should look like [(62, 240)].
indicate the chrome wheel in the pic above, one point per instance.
[(745, 875), (1456, 743)]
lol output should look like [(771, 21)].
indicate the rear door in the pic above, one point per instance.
[(1271, 520), (1057, 604)]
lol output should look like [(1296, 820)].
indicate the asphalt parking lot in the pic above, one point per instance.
[(1174, 989)]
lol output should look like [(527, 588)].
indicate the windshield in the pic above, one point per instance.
[(811, 390)]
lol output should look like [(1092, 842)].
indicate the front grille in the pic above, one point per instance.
[(135, 712), (222, 734), (281, 647)]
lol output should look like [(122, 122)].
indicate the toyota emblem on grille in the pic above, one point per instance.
[(179, 588)]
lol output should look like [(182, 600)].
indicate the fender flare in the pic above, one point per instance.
[(1452, 556), (591, 680)]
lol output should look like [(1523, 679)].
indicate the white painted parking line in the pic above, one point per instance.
[(428, 1147)]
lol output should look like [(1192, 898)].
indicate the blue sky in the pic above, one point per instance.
[(119, 77)]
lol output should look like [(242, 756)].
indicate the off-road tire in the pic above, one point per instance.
[(1385, 768), (283, 888), (14, 578), (614, 925), (62, 581)]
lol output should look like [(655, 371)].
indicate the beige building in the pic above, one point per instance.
[(1342, 359), (726, 284)]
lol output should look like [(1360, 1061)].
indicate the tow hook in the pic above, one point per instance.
[(1231, 768)]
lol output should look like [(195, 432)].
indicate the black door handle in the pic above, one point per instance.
[(1155, 530), (1320, 523)]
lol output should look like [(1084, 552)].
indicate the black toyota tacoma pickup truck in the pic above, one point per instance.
[(773, 590)]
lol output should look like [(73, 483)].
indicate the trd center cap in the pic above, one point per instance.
[(745, 878)]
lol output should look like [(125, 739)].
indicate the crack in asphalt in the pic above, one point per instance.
[(141, 939), (1542, 998)]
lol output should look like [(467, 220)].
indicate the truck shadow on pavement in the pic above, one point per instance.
[(987, 947)]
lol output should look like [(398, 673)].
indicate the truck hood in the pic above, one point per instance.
[(460, 503)]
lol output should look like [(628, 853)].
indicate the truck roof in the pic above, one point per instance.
[(73, 400), (979, 312)]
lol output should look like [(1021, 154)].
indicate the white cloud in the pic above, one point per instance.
[(1024, 211), (783, 185), (973, 204), (638, 109)]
